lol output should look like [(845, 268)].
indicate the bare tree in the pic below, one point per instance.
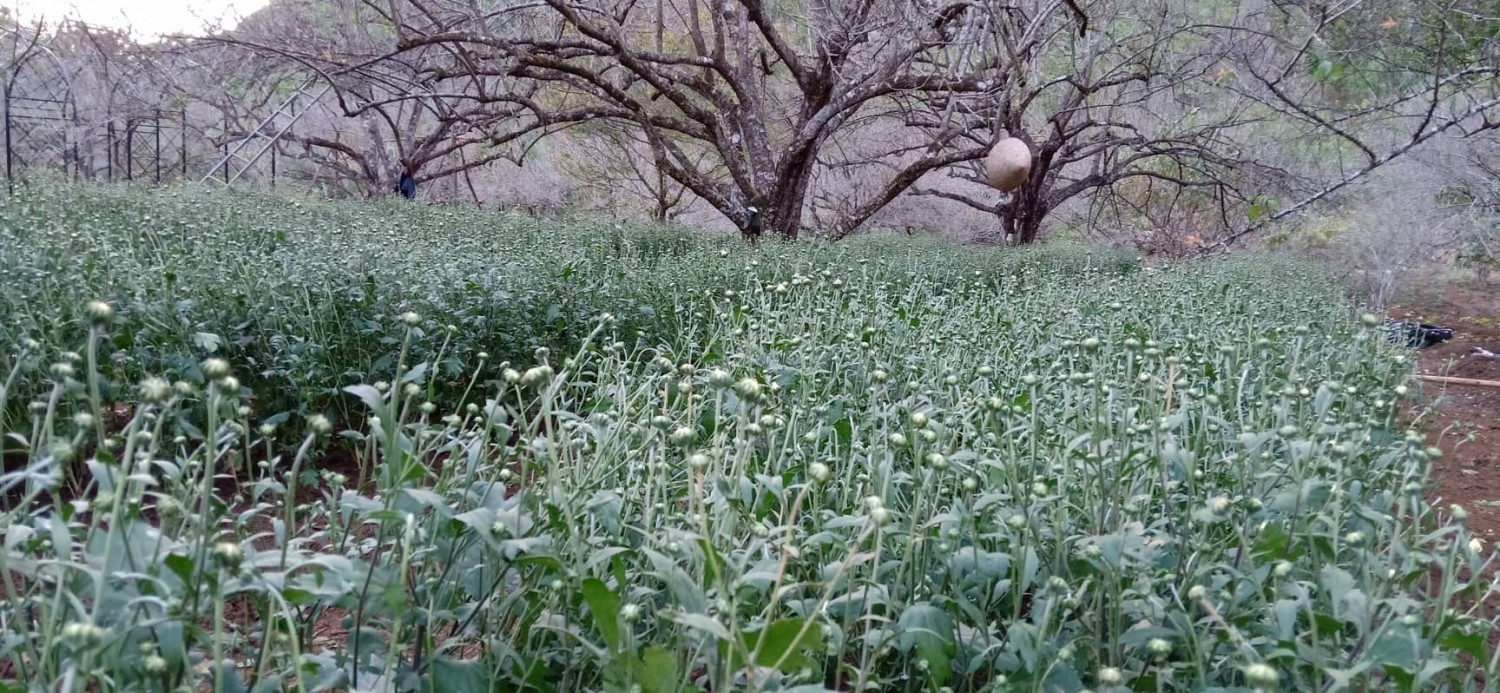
[(1126, 118), (762, 87), (412, 112), (614, 163)]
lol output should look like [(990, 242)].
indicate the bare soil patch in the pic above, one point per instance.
[(1466, 424)]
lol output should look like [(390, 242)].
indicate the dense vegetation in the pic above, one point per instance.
[(590, 457)]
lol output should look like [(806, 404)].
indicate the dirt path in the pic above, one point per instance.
[(1466, 425)]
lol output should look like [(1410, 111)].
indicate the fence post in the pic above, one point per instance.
[(182, 126), (157, 129), (10, 181)]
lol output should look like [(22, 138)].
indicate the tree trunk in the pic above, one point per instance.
[(786, 201), (1023, 216)]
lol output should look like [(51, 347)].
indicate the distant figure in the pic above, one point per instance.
[(407, 186), (752, 230)]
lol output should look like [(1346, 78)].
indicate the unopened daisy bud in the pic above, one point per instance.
[(319, 424), (937, 461), (818, 472), (61, 451), (748, 388), (83, 419), (1282, 569), (1197, 593), (411, 319), (918, 419), (99, 313), (719, 378), (698, 461), (1354, 538), (1109, 676), (970, 484), (511, 376), (1459, 514), (1218, 505), (155, 664), (62, 370), (1262, 676), (483, 355), (897, 440), (228, 554), (427, 407), (1159, 647), (154, 389), (682, 436), (630, 613), (880, 516), (82, 634), (1476, 545), (215, 368), (229, 384), (536, 376)]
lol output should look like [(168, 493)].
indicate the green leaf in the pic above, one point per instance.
[(659, 672), (207, 341), (1471, 644), (604, 606), (930, 630), (1396, 647), (228, 680), (785, 641), (702, 622), (1433, 667), (367, 394), (456, 676), (181, 566)]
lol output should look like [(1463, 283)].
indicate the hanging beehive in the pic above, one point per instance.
[(1008, 165)]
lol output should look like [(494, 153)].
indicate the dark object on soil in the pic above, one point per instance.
[(1419, 335), (407, 186), (752, 229), (1483, 353)]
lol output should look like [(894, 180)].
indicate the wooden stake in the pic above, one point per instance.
[(1459, 381)]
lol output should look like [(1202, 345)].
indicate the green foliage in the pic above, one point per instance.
[(1380, 50), (884, 464)]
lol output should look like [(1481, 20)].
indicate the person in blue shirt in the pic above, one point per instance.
[(406, 185)]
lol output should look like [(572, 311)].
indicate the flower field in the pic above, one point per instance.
[(254, 443)]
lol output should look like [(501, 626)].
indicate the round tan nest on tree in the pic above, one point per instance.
[(1008, 164)]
